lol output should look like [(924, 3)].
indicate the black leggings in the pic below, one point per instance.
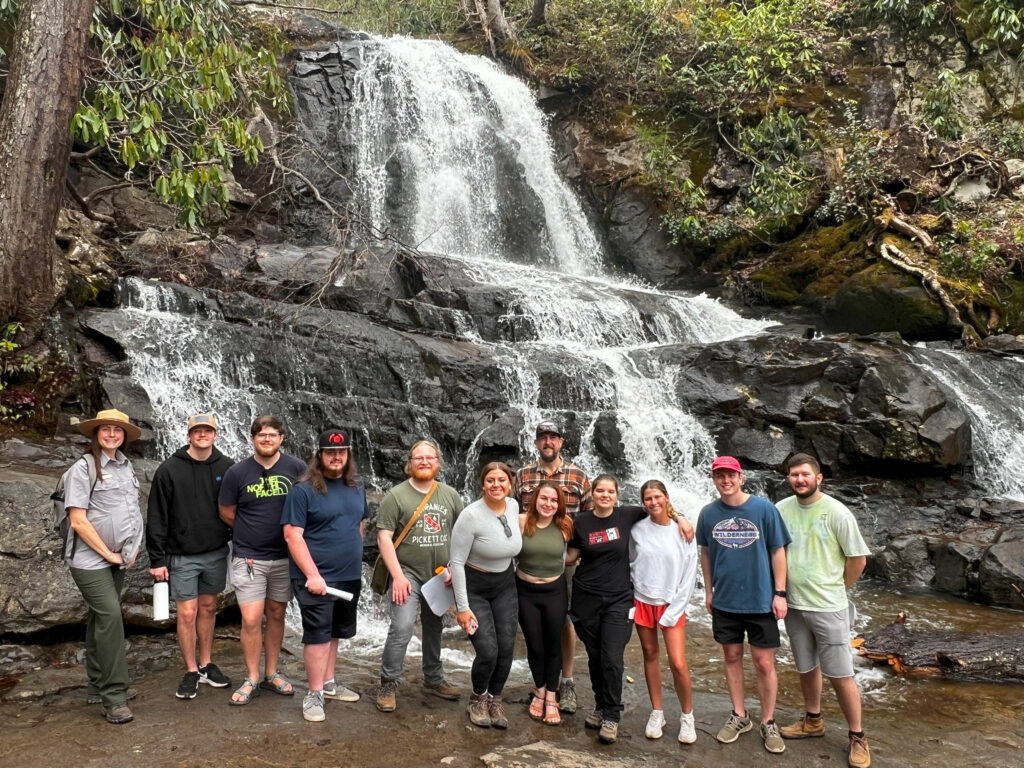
[(542, 609), (603, 624), (493, 600)]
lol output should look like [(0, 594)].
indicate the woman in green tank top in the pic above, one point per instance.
[(543, 597)]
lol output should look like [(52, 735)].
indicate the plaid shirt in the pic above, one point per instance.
[(571, 478)]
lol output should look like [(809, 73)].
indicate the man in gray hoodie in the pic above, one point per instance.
[(188, 545)]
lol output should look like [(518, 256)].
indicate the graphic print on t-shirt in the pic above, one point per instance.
[(270, 486), (735, 533), (431, 523), (603, 537)]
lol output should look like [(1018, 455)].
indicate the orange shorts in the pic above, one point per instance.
[(647, 615)]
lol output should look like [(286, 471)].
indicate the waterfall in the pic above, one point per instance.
[(988, 388), (467, 151)]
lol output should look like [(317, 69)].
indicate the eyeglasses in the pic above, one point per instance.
[(504, 524), (423, 459), (267, 436)]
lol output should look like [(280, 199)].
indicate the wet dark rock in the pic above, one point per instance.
[(1001, 573), (879, 299)]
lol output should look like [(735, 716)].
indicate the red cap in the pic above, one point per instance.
[(726, 462)]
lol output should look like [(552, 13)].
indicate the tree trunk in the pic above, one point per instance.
[(497, 24), (42, 93), (539, 16)]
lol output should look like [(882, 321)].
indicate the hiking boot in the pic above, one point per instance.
[(733, 727), (609, 732), (443, 690), (593, 720), (211, 675), (339, 691), (804, 728), (567, 695), (387, 695), (687, 731), (95, 698), (772, 740), (655, 724), (188, 686), (120, 714), (313, 707), (496, 711), (860, 755), (479, 710)]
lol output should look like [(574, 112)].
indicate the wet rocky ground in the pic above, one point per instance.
[(45, 720)]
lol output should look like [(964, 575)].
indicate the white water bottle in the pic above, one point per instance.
[(161, 604)]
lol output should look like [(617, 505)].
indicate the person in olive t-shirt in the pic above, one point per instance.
[(424, 549)]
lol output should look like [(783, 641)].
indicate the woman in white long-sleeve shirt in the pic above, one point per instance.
[(663, 566)]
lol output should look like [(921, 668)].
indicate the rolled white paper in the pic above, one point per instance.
[(339, 593)]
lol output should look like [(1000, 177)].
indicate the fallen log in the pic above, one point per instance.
[(960, 655)]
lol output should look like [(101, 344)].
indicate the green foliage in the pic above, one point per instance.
[(12, 405), (969, 249), (179, 79), (387, 17), (669, 174), (861, 167), (169, 88), (986, 24), (942, 106), (753, 50)]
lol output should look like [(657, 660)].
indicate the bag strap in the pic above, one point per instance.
[(415, 515)]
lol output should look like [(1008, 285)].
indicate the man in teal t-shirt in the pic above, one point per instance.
[(826, 557)]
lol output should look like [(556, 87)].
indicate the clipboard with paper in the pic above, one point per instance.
[(439, 596)]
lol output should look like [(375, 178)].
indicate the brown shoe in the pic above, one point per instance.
[(593, 720), (497, 712), (609, 732), (444, 690), (120, 714), (479, 710), (804, 728), (387, 695), (860, 755)]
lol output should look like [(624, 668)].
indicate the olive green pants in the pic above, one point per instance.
[(105, 661)]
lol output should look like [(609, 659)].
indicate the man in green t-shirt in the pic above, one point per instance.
[(424, 549), (825, 558)]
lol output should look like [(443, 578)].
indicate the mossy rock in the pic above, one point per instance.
[(811, 268), (879, 299)]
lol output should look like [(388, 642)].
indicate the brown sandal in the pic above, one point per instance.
[(536, 707), (551, 716)]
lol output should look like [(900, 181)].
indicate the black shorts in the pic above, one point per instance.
[(761, 629), (324, 617)]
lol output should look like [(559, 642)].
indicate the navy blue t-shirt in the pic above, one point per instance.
[(739, 541), (258, 495), (330, 524)]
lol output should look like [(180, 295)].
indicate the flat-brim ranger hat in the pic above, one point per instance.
[(113, 418)]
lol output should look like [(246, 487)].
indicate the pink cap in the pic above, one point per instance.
[(726, 462)]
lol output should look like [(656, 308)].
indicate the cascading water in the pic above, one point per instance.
[(989, 390), (467, 151)]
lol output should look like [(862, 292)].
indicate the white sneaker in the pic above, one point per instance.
[(654, 724), (338, 691), (687, 732)]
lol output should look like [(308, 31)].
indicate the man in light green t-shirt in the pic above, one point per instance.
[(424, 549), (825, 558)]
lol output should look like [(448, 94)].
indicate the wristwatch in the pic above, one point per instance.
[(780, 593)]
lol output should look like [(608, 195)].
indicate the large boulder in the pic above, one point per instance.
[(880, 299)]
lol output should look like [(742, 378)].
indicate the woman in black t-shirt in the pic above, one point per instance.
[(602, 596)]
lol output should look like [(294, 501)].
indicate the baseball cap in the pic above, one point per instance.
[(202, 420), (548, 427), (332, 438), (726, 462)]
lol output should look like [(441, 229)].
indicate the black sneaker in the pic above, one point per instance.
[(211, 675), (188, 686)]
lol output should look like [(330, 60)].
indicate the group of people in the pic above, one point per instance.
[(544, 550)]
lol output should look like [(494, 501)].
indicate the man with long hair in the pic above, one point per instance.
[(323, 521), (423, 550)]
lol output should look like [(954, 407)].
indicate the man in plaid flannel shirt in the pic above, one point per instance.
[(574, 483)]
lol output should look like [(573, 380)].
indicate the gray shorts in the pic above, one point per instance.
[(820, 638), (194, 575), (267, 579)]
